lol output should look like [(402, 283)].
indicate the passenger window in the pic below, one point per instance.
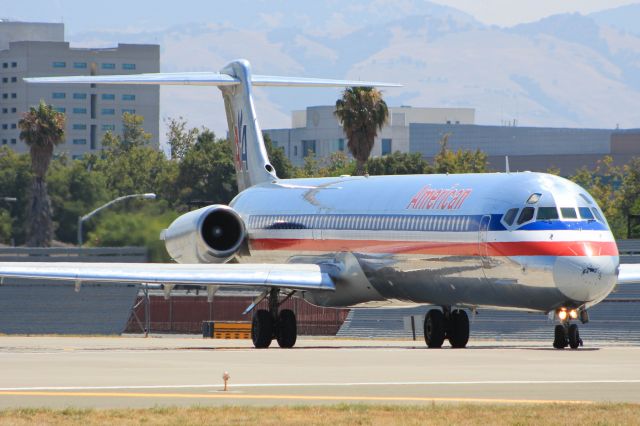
[(585, 213), (597, 214), (568, 213), (526, 215), (547, 213), (510, 216)]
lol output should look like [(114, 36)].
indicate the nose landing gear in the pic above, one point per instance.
[(567, 334)]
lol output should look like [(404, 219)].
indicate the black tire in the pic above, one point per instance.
[(262, 329), (434, 331), (574, 336), (560, 337), (459, 329), (286, 330)]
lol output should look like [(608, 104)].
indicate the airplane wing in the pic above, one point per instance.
[(288, 276), (629, 273)]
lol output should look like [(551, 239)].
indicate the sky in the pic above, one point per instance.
[(81, 15)]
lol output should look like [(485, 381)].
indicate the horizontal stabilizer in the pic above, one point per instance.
[(203, 79), (290, 276)]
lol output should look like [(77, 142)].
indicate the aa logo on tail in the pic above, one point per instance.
[(241, 143)]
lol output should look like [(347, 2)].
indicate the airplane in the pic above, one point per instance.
[(523, 241)]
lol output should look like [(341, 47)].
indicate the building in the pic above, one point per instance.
[(39, 49), (316, 130), (530, 148)]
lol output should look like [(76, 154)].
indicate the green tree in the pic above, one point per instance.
[(180, 138), (362, 113), (134, 228), (42, 128), (461, 161), (399, 163), (207, 171), (15, 181), (75, 190)]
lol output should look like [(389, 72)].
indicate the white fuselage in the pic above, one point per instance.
[(440, 239)]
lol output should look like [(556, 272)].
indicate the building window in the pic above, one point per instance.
[(5, 96), (14, 126), (128, 66), (79, 96), (5, 110), (341, 144), (308, 147), (5, 126), (14, 110), (295, 150), (108, 66), (59, 64), (5, 65), (14, 79), (14, 64), (108, 111), (13, 141), (60, 109), (108, 97), (4, 141), (79, 141), (80, 65), (5, 79), (128, 111), (79, 127), (386, 146), (58, 95), (108, 127), (14, 95), (79, 110), (128, 97)]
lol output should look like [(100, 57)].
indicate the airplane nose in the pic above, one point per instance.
[(585, 278)]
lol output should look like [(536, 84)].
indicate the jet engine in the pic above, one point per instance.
[(211, 234)]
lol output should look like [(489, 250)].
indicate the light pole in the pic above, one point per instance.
[(149, 196)]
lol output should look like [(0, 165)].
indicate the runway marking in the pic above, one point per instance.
[(323, 384), (295, 397)]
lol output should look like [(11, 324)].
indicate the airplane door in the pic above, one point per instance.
[(483, 243)]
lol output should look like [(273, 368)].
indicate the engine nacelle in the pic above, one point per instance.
[(211, 234)]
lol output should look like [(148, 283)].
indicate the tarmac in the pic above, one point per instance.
[(120, 372)]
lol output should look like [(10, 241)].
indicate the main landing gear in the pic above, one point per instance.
[(270, 323), (565, 333), (446, 324)]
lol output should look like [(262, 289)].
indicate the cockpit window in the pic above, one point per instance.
[(534, 198), (587, 199), (585, 213), (547, 213), (526, 215), (510, 216), (568, 213), (597, 214)]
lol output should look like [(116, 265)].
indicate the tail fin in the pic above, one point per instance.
[(235, 82)]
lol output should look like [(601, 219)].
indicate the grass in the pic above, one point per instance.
[(343, 414)]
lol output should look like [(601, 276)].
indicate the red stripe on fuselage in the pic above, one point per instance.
[(520, 248)]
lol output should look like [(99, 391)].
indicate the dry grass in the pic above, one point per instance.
[(346, 414)]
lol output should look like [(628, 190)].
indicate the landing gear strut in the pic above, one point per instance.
[(567, 334), (267, 324), (446, 324)]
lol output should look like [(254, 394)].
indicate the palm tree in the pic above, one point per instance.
[(362, 113), (42, 128)]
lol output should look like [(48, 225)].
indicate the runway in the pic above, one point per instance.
[(157, 371)]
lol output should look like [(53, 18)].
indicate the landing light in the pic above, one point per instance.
[(562, 315), (573, 314)]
